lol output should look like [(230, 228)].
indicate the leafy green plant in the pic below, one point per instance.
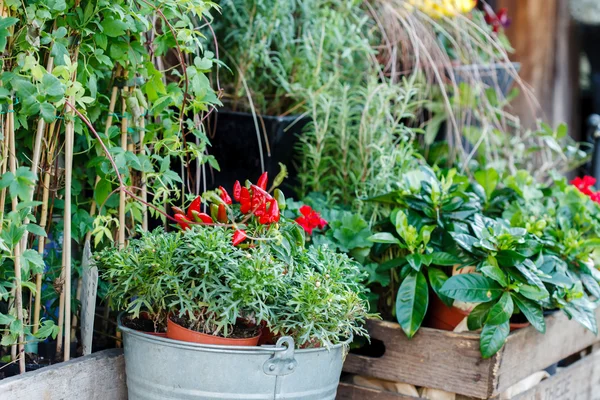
[(528, 248), (215, 279)]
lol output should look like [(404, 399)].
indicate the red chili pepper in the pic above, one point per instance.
[(237, 190), (195, 206), (238, 237), (202, 217), (182, 221), (222, 214), (224, 195), (274, 211), (263, 180), (245, 200)]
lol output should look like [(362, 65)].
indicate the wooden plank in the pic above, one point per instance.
[(348, 391), (452, 361), (99, 376), (576, 382), (527, 351), (432, 358), (89, 281)]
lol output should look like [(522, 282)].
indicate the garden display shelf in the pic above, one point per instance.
[(452, 361)]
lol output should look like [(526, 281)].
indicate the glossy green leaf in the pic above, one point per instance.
[(494, 272), (478, 315), (532, 311), (384, 237), (501, 311), (493, 338), (412, 302), (444, 259), (471, 288), (437, 278)]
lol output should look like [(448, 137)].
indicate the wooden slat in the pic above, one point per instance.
[(452, 361), (100, 376), (577, 382), (348, 391), (432, 358), (527, 351)]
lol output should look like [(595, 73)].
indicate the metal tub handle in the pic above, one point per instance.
[(282, 362)]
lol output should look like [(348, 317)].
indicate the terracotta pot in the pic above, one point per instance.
[(443, 317), (518, 325), (178, 332)]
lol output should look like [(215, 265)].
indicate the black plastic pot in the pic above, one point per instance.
[(47, 350), (492, 75), (237, 148), (8, 370)]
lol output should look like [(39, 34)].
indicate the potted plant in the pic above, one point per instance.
[(221, 283), (531, 252), (281, 55)]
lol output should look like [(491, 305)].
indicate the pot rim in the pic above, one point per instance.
[(264, 349), (202, 334)]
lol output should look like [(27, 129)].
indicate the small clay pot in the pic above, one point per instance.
[(443, 317), (178, 332)]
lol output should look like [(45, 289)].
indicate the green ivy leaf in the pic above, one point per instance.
[(113, 28), (47, 111), (6, 319), (412, 302), (23, 183), (32, 261), (493, 338), (36, 230), (103, 189)]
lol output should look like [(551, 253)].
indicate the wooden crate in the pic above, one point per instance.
[(579, 381), (452, 361)]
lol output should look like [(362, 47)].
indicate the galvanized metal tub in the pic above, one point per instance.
[(161, 369)]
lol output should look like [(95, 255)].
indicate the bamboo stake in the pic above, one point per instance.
[(41, 244), (69, 143), (124, 147), (37, 152), (61, 308), (5, 145), (144, 187), (17, 250)]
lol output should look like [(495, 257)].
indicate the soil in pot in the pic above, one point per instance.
[(142, 324), (242, 335), (518, 321)]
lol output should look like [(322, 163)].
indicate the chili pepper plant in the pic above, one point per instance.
[(237, 270)]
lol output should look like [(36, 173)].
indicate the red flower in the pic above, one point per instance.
[(497, 20), (595, 197), (310, 219), (584, 184), (238, 237)]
